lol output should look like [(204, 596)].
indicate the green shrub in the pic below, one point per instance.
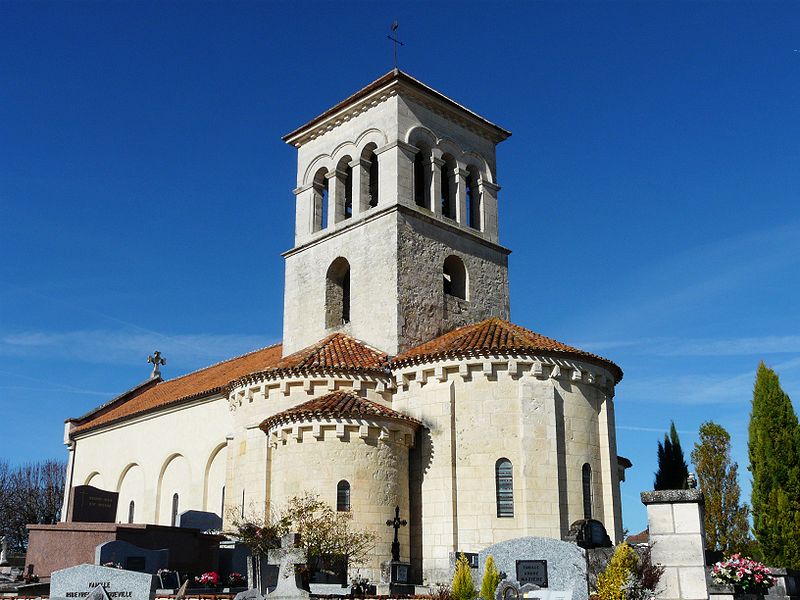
[(491, 577), (463, 587)]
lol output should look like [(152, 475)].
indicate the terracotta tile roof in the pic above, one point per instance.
[(495, 335), (193, 385), (337, 351), (338, 404)]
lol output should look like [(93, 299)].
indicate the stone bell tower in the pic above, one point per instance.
[(396, 235)]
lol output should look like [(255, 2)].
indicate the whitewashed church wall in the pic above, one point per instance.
[(371, 249), (547, 427), (377, 470), (348, 138), (413, 114), (170, 449)]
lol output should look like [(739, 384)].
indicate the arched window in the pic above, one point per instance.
[(446, 200), (174, 517), (131, 509), (504, 483), (587, 491), (474, 208), (343, 496), (348, 192), (454, 276), (320, 200), (370, 159), (337, 293), (422, 182)]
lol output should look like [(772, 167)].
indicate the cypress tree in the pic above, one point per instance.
[(726, 522), (672, 469), (491, 579), (774, 452), (463, 588)]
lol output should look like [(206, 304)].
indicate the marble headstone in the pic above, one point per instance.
[(200, 519), (564, 569), (78, 583), (131, 557)]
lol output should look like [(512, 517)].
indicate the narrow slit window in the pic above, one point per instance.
[(131, 510), (504, 481), (174, 518), (343, 496), (587, 491)]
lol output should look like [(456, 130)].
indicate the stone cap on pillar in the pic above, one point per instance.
[(672, 497)]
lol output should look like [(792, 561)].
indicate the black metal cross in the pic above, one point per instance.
[(395, 25), (397, 523)]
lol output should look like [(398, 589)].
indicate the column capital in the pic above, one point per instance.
[(488, 184), (303, 188), (436, 161)]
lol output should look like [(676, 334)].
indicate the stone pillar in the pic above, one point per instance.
[(612, 507), (460, 183), (304, 212), (488, 192), (539, 472), (360, 187), (70, 444), (677, 540), (396, 178), (436, 186), (336, 184)]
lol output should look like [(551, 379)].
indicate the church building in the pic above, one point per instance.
[(400, 380)]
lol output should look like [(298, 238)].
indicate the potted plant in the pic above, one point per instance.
[(749, 578)]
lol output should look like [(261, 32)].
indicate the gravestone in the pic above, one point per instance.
[(79, 582), (88, 504), (199, 519), (131, 557), (251, 594), (549, 564), (169, 580), (289, 583)]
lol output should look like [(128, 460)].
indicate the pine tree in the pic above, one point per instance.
[(463, 587), (726, 522), (672, 470), (774, 452), (491, 578)]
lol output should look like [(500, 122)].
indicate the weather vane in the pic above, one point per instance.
[(395, 25)]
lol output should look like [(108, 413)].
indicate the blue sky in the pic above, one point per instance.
[(650, 189)]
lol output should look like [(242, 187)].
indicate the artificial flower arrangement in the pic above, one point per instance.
[(743, 573), (112, 565), (210, 579), (236, 580)]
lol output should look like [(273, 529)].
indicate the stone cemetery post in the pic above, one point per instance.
[(677, 540), (3, 551)]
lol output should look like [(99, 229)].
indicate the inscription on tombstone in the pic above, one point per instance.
[(88, 504), (532, 571), (79, 582)]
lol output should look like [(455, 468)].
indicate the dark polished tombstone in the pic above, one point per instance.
[(88, 504), (588, 534)]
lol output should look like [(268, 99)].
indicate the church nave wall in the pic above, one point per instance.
[(151, 458)]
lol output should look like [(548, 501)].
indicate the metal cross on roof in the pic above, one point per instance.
[(397, 523), (156, 360), (395, 25)]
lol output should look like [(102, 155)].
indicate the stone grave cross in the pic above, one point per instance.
[(397, 523), (3, 551), (287, 556)]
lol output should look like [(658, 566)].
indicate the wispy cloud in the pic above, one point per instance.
[(127, 347), (668, 346)]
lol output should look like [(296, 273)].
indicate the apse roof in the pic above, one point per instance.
[(336, 405), (495, 335), (337, 351)]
